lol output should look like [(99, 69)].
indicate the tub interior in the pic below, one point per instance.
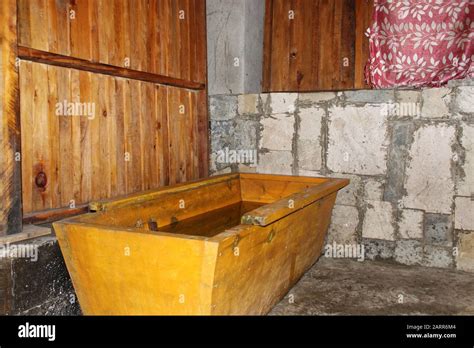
[(203, 211), (212, 223)]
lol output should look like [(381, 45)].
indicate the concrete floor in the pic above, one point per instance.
[(348, 287)]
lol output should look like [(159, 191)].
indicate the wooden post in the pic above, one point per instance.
[(10, 141)]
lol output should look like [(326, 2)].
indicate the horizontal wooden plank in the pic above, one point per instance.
[(150, 195), (51, 215), (269, 213), (49, 58)]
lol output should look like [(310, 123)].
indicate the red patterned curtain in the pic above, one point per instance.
[(420, 43)]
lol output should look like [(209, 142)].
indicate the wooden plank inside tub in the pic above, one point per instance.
[(159, 193), (269, 213), (265, 188), (167, 206)]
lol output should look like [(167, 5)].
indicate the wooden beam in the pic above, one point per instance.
[(48, 216), (10, 143), (38, 56)]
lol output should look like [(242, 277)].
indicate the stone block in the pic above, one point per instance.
[(402, 137), (408, 252), (378, 249), (358, 140), (464, 213), (245, 134), (408, 96), (429, 184), (343, 228), (465, 99), (309, 138), (244, 168), (351, 193), (277, 133), (410, 225), (309, 99), (283, 102), (465, 255), (370, 96), (435, 102), (222, 107), (437, 256), (311, 173), (439, 229), (378, 221), (248, 104), (222, 135), (465, 184), (373, 189), (275, 162)]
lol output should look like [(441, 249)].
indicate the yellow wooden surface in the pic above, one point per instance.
[(257, 265), (117, 272), (281, 208), (243, 270), (268, 188), (150, 195), (167, 206)]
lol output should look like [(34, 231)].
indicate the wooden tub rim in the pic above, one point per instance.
[(262, 216)]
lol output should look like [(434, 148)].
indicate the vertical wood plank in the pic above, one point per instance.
[(127, 121), (24, 23), (86, 141), (75, 139), (26, 109), (335, 56), (315, 44), (267, 47), (65, 131), (40, 137), (201, 42), (104, 174), (53, 144), (326, 26), (363, 14), (161, 97), (120, 136), (347, 49), (111, 132), (136, 173), (95, 138)]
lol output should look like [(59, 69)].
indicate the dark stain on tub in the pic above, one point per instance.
[(213, 222)]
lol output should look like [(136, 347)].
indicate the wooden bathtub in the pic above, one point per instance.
[(229, 244)]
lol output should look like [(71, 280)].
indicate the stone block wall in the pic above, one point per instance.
[(409, 155)]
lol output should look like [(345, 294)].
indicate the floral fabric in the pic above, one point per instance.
[(420, 43)]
